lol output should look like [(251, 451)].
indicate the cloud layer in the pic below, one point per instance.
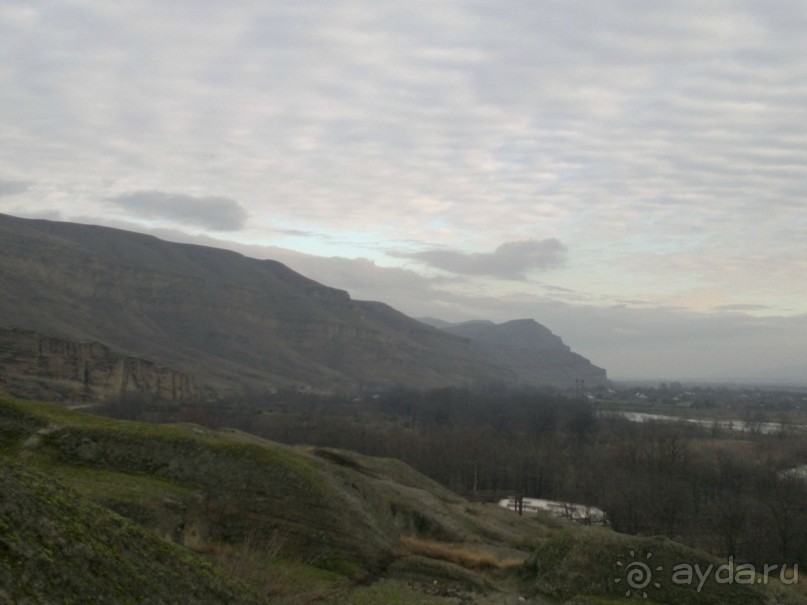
[(12, 187), (512, 260), (214, 213)]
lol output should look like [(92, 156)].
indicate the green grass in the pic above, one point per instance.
[(589, 561), (396, 592), (244, 487), (56, 546)]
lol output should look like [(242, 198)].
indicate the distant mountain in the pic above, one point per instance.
[(96, 310), (531, 351), (437, 323)]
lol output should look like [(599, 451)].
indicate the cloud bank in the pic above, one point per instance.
[(511, 260), (13, 187), (214, 213)]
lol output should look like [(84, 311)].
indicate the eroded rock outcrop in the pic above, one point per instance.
[(40, 366)]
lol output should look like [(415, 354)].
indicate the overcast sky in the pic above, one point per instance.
[(631, 174)]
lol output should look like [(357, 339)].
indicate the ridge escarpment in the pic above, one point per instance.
[(227, 321)]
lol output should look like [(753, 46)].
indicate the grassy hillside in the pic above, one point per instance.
[(155, 513), (57, 547)]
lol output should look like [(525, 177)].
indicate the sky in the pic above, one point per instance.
[(630, 174)]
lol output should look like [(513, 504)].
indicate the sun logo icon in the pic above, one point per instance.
[(637, 575)]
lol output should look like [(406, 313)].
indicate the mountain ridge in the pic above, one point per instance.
[(530, 350), (230, 321), (184, 321)]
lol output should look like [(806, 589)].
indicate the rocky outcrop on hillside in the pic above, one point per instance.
[(46, 367), (531, 351)]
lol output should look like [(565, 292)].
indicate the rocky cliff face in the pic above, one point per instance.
[(532, 352), (34, 365)]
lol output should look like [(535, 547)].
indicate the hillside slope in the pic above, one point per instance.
[(297, 525), (288, 520), (225, 321), (56, 547)]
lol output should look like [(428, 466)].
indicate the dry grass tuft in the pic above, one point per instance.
[(458, 555)]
